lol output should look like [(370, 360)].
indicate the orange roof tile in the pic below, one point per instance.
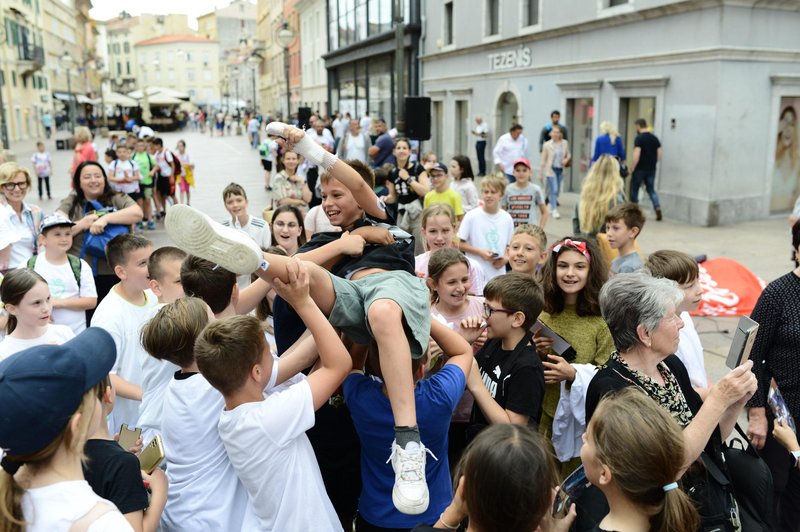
[(166, 39)]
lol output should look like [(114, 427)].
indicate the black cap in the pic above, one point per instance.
[(41, 387)]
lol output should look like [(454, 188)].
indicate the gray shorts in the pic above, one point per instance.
[(353, 299)]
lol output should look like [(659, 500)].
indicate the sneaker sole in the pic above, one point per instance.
[(194, 232), (408, 509)]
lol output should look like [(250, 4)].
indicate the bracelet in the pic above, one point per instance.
[(444, 523)]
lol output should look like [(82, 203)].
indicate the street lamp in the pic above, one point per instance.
[(285, 37), (254, 60), (104, 78), (68, 63), (236, 87)]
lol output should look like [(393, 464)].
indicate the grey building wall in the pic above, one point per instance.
[(717, 70)]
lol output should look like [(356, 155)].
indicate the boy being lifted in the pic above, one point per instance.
[(377, 296)]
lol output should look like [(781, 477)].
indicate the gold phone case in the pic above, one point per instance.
[(152, 455)]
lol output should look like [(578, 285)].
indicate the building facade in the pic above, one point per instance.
[(313, 77), (23, 80), (124, 31), (185, 63), (234, 27), (360, 60), (718, 81)]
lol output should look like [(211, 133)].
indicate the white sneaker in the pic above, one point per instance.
[(199, 235), (556, 214), (410, 493)]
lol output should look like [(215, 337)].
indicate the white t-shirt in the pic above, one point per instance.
[(355, 148), (54, 335), (123, 321), (282, 478), (61, 281), (42, 163), (124, 169), (156, 375), (163, 160), (487, 231), (204, 491), (256, 228), (690, 351), (56, 507), (24, 239)]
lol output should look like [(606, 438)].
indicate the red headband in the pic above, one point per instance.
[(579, 246)]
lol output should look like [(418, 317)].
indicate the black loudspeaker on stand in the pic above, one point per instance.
[(418, 117), (303, 116)]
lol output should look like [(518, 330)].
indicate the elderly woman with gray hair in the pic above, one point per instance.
[(641, 313)]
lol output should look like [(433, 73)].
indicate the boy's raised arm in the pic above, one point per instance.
[(453, 345), (335, 361), (297, 140)]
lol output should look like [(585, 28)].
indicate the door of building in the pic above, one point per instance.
[(579, 122), (506, 113), (630, 110)]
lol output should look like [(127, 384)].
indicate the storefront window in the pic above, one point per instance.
[(380, 87)]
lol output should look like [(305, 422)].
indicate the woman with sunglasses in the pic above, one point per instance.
[(22, 217)]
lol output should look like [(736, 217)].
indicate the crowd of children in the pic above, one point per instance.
[(434, 382)]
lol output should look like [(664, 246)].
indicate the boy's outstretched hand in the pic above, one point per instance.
[(295, 292)]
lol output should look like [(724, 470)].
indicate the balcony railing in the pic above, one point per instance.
[(31, 52)]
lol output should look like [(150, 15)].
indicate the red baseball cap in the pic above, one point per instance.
[(523, 160)]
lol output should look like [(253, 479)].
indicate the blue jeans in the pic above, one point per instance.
[(553, 186), (648, 177)]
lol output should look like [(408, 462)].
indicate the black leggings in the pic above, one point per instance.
[(786, 482), (46, 180)]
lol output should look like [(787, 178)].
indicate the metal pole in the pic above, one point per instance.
[(399, 67), (288, 90), (71, 103), (4, 144)]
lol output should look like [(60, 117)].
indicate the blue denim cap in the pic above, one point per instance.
[(41, 387)]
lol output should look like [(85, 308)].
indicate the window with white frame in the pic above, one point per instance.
[(448, 23), (614, 3), (206, 75), (492, 17), (530, 12), (190, 75)]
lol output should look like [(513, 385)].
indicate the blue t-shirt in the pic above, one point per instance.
[(436, 398), (386, 146)]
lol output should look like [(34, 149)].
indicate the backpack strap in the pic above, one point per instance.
[(98, 510), (76, 266), (31, 262)]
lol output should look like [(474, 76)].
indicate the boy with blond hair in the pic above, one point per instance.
[(486, 231), (623, 225), (204, 491), (283, 478), (528, 249)]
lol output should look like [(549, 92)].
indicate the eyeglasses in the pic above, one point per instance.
[(22, 185), (488, 310)]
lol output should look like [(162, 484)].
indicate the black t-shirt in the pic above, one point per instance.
[(114, 474), (405, 194), (396, 256), (515, 379), (649, 145)]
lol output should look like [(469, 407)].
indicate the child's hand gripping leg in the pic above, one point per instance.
[(410, 493)]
